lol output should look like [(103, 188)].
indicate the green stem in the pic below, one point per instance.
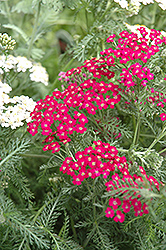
[(94, 200), (62, 157), (103, 44), (73, 228), (109, 7), (136, 134), (94, 215), (53, 237), (67, 151), (163, 133), (8, 12), (154, 15), (34, 30), (134, 122), (35, 155), (146, 135), (85, 243), (162, 151), (87, 23), (9, 156), (118, 108), (87, 184), (123, 150), (44, 206)]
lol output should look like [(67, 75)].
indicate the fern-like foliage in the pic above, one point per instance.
[(17, 229), (11, 170), (47, 218), (102, 240)]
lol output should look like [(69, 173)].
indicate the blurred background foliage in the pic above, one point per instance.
[(44, 30)]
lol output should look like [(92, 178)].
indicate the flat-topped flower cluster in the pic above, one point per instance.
[(14, 111), (102, 159), (132, 197), (135, 5), (93, 162), (37, 72)]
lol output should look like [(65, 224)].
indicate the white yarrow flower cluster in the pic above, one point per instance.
[(21, 64), (39, 74), (122, 3), (162, 4), (14, 111), (7, 63), (136, 4)]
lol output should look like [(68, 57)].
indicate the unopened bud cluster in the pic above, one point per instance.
[(6, 42)]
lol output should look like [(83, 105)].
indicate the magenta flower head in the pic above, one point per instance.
[(114, 203), (109, 212), (119, 216), (163, 116)]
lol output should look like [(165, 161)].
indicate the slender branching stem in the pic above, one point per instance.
[(34, 30), (8, 12), (136, 133), (162, 134), (9, 156)]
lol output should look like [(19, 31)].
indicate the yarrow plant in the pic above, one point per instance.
[(90, 171), (121, 81)]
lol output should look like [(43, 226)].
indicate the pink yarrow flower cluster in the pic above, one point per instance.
[(91, 95), (131, 47), (132, 53), (139, 50), (123, 183), (87, 96), (102, 159), (56, 122), (93, 162)]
